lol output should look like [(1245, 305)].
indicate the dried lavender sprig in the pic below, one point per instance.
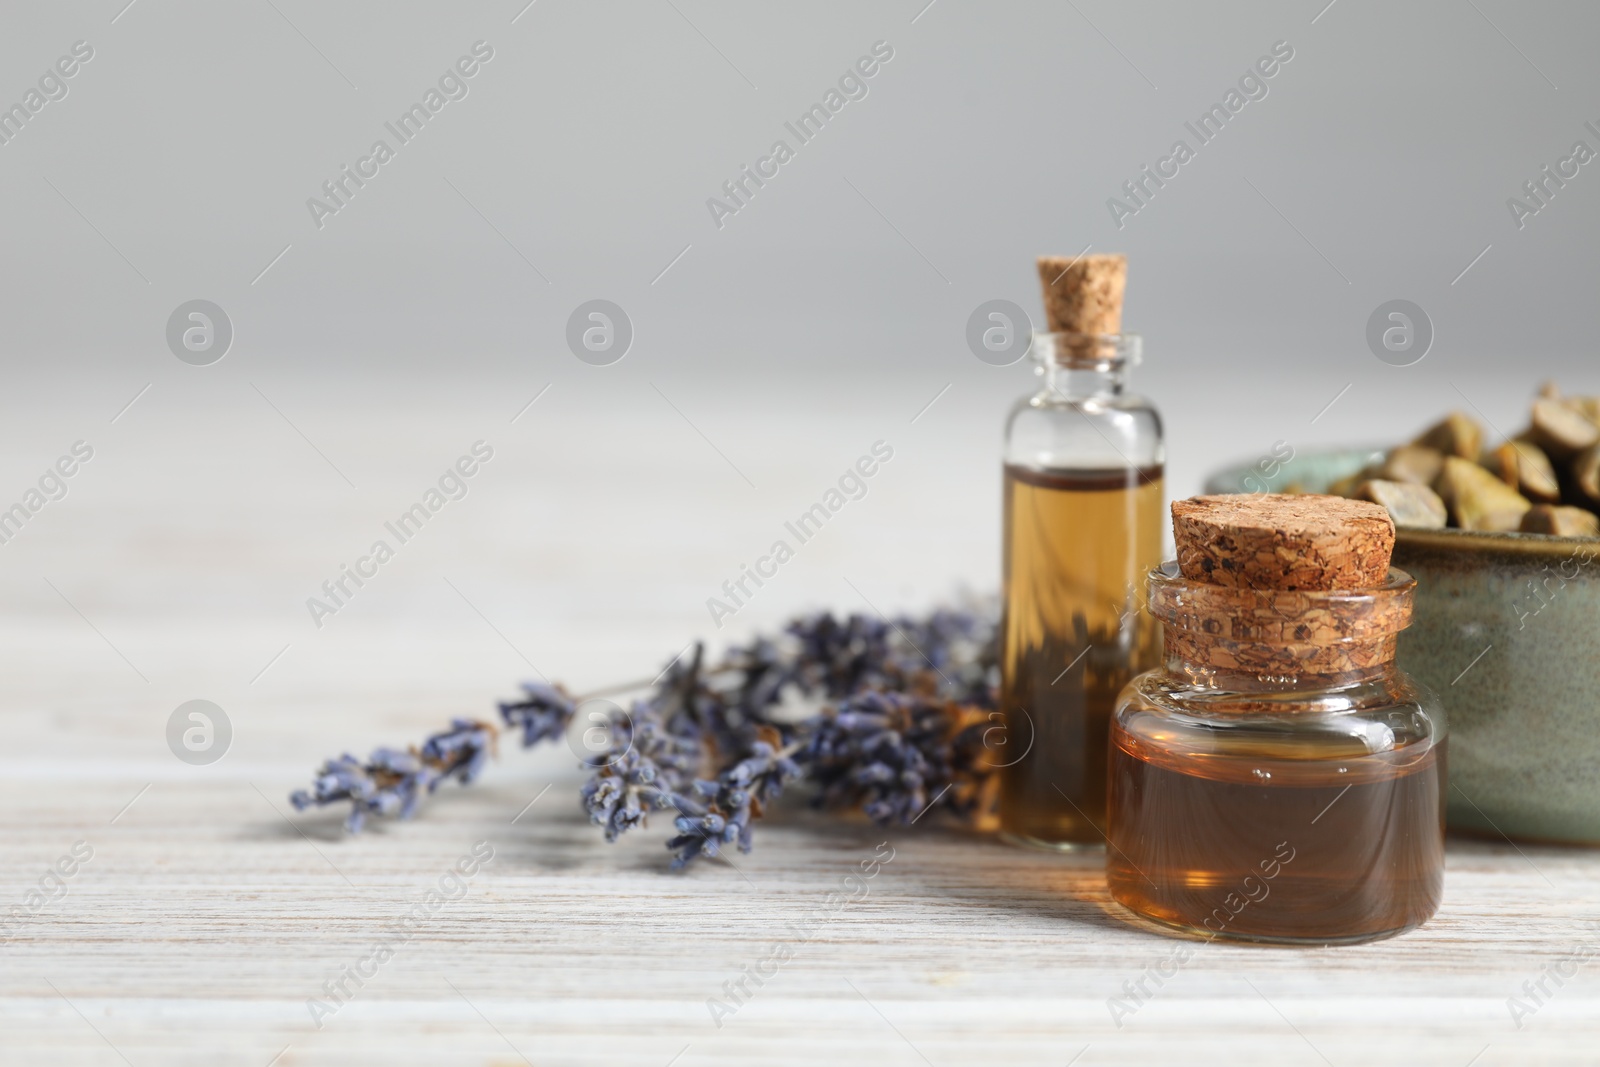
[(724, 722), (947, 659), (541, 715), (393, 782)]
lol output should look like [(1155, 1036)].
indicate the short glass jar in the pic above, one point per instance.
[(1279, 779), (1083, 525)]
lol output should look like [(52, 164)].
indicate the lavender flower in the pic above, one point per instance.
[(541, 715), (340, 779), (392, 783), (461, 752), (838, 657), (650, 774), (735, 798), (893, 754)]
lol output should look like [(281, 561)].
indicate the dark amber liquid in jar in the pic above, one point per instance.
[(1078, 547), (1261, 847)]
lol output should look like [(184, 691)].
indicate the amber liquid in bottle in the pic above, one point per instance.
[(1273, 849), (1078, 545)]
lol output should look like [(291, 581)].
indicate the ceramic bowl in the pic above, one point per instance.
[(1507, 632)]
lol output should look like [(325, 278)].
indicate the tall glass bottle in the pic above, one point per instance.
[(1084, 525)]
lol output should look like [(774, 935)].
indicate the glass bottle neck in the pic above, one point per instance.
[(1078, 366), (1084, 382)]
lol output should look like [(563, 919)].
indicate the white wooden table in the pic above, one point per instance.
[(210, 913)]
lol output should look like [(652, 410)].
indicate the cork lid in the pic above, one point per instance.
[(1278, 541), (1083, 295)]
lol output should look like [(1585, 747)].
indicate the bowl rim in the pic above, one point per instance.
[(1534, 544)]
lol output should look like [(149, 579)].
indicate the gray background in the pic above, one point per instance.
[(824, 316)]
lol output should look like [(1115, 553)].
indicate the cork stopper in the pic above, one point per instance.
[(1277, 541), (1083, 295)]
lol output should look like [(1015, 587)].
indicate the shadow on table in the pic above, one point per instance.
[(947, 864)]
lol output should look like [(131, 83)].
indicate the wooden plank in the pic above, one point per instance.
[(205, 921)]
